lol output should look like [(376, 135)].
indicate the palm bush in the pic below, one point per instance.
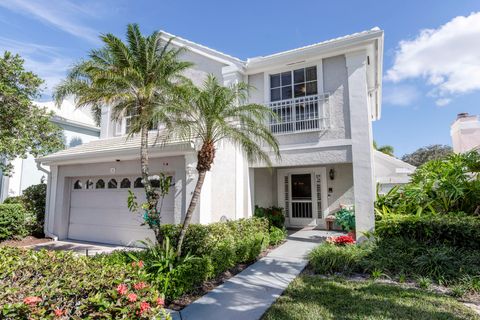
[(214, 114), (135, 78), (438, 186)]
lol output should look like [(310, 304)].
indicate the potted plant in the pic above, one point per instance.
[(345, 218)]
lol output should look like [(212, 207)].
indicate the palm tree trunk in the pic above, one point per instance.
[(152, 198), (191, 208)]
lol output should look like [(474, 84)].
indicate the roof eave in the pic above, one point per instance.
[(173, 149)]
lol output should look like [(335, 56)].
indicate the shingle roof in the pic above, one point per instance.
[(111, 146)]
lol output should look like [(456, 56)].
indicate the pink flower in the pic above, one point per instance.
[(132, 297), (58, 312), (32, 300), (160, 302), (122, 289), (144, 307), (137, 264), (139, 286)]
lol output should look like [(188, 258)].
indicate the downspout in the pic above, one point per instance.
[(47, 203)]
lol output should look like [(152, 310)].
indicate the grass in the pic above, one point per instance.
[(313, 297)]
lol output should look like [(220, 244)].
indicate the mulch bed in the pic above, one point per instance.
[(25, 242), (209, 285)]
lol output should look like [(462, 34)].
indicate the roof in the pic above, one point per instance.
[(389, 169), (335, 41), (68, 112), (117, 148), (203, 50)]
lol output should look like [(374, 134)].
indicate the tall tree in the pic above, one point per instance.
[(425, 154), (387, 149), (216, 113), (24, 128), (135, 78)]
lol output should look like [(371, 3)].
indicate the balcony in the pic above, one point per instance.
[(303, 114)]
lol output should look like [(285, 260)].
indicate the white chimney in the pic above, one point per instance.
[(465, 133)]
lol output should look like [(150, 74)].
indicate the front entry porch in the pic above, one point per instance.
[(307, 195)]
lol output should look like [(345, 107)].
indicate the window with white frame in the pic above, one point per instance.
[(293, 84)]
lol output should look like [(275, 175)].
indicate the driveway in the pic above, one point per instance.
[(81, 247)]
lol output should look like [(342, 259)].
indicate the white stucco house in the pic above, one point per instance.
[(78, 127), (465, 133), (326, 96)]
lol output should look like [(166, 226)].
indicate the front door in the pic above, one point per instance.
[(302, 194)]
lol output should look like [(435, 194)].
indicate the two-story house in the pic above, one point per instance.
[(326, 96)]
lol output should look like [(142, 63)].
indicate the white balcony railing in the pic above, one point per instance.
[(310, 113)]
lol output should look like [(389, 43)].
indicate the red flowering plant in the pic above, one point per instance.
[(341, 240)]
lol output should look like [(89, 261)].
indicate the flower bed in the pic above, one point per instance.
[(48, 285), (130, 285)]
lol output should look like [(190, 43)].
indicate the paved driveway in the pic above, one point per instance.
[(81, 247)]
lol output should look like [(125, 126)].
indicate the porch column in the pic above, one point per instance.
[(106, 126), (362, 143), (233, 75)]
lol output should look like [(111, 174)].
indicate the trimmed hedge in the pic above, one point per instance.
[(215, 248), (14, 221), (454, 229), (225, 243)]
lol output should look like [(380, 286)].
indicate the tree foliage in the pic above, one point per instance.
[(438, 186), (135, 78), (212, 114), (387, 149), (425, 154), (24, 128)]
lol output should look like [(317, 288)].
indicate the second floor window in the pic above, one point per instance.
[(293, 84)]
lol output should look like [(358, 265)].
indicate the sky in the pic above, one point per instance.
[(431, 66)]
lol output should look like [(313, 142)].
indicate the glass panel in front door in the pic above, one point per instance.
[(301, 185)]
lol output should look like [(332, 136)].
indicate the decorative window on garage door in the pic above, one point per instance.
[(109, 183)]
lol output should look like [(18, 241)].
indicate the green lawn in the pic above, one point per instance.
[(312, 297)]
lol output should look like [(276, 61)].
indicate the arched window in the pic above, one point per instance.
[(100, 184), (77, 185), (138, 183), (155, 183), (89, 184), (125, 183), (112, 184)]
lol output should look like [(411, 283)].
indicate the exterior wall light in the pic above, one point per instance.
[(331, 174)]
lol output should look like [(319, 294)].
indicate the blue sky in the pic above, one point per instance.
[(432, 59)]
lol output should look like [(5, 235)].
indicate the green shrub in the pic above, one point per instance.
[(14, 221), (453, 229), (328, 258), (438, 186), (277, 235), (346, 219), (80, 287), (274, 215), (34, 200), (398, 257)]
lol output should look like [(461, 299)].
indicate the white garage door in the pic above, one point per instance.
[(99, 212)]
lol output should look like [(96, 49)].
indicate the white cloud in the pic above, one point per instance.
[(447, 58), (46, 61), (400, 95), (60, 14), (443, 102)]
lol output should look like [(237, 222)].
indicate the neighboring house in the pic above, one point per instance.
[(326, 96), (465, 133), (78, 127), (390, 171)]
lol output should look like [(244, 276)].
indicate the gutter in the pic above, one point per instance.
[(47, 203)]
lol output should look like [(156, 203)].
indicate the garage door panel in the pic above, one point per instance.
[(117, 235), (102, 215)]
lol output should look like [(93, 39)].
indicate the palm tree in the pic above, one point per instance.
[(135, 78), (387, 149), (212, 114)]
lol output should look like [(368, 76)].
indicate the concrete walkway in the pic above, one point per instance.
[(250, 293)]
